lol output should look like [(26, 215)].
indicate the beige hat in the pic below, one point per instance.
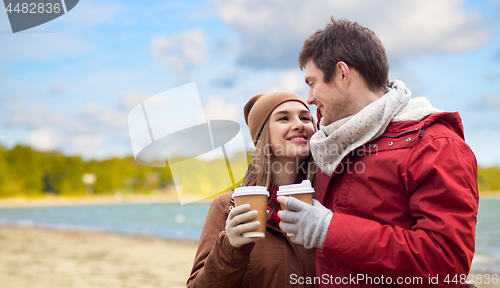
[(259, 107)]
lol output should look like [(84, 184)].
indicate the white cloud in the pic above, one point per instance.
[(91, 108), (43, 139), (91, 117), (22, 114), (273, 31), (291, 81), (83, 144), (217, 109), (93, 131), (492, 100), (180, 50), (57, 88), (192, 45), (415, 27), (94, 113), (131, 99)]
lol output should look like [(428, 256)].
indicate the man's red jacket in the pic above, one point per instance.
[(405, 207)]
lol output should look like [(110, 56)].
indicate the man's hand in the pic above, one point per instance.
[(234, 226), (309, 223)]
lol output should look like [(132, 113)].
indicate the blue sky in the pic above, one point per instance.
[(69, 84)]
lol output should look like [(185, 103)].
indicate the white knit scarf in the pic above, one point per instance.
[(333, 142)]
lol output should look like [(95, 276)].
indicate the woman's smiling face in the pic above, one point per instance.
[(290, 128)]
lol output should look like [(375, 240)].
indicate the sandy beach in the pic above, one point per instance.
[(117, 198), (35, 257), (50, 258)]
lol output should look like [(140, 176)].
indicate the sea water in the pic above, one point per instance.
[(175, 221), (170, 220)]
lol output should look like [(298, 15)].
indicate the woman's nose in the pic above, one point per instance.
[(298, 125)]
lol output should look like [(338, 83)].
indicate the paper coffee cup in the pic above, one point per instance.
[(257, 197), (303, 191)]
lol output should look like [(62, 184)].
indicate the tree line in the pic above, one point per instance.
[(26, 172), (31, 173)]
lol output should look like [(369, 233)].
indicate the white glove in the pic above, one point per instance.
[(308, 222), (234, 228)]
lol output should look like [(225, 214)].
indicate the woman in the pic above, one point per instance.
[(281, 125)]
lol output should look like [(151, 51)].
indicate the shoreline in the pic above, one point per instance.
[(96, 232), (80, 229), (55, 201), (157, 198), (489, 195)]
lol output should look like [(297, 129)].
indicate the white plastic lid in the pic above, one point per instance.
[(254, 234), (250, 190), (304, 187)]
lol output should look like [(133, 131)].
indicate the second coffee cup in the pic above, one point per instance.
[(303, 191), (257, 197)]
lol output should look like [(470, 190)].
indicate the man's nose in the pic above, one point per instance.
[(310, 98)]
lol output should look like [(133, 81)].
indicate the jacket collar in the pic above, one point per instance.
[(451, 119)]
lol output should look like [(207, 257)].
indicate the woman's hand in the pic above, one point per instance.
[(234, 226)]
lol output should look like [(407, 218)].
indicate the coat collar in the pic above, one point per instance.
[(451, 119)]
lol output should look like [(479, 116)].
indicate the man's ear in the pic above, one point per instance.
[(344, 73)]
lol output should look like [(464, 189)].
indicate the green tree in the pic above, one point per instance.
[(25, 170), (488, 178), (63, 175)]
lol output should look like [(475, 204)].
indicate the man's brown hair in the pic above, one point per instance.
[(357, 46)]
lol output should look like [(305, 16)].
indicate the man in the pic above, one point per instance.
[(397, 194)]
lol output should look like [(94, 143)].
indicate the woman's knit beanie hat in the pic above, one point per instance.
[(259, 107)]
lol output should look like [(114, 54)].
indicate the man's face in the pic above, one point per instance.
[(330, 99)]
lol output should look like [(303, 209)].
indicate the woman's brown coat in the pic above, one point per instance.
[(271, 262)]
